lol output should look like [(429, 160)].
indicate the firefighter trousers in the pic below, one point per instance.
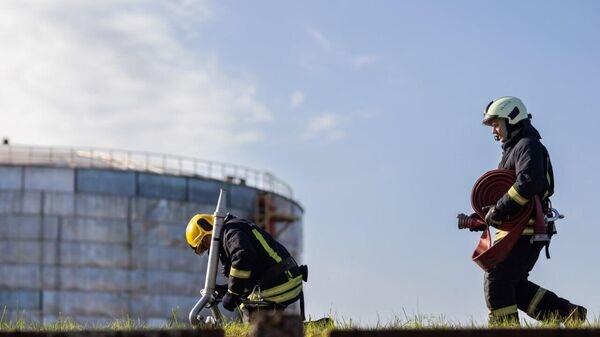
[(507, 288)]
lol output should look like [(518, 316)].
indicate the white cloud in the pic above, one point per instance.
[(330, 51), (325, 126), (297, 99), (320, 38), (116, 74), (363, 60)]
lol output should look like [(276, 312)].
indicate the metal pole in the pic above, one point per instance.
[(208, 294)]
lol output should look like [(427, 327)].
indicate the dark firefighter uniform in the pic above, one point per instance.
[(258, 267), (506, 286)]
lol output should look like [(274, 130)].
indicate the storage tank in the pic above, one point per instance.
[(97, 235)]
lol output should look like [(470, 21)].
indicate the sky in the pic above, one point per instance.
[(371, 111)]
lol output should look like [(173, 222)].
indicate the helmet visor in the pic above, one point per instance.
[(205, 225)]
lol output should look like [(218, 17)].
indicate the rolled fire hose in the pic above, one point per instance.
[(488, 189)]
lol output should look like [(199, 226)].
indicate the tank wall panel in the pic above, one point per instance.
[(15, 202), (19, 277), (11, 178), (157, 186), (161, 306), (164, 258), (50, 227), (11, 202), (192, 209), (59, 203), (71, 303), (102, 206), (20, 227), (160, 210), (241, 213), (101, 321), (20, 299), (32, 203), (298, 211), (19, 252), (49, 179), (241, 197), (85, 279), (287, 234), (94, 230), (283, 205), (106, 181), (86, 254), (168, 282), (204, 191), (19, 314), (159, 233)]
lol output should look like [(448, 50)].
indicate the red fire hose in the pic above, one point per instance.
[(486, 192)]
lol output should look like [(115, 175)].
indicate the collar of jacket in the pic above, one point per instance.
[(228, 218), (522, 130)]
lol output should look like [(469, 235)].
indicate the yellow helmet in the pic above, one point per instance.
[(199, 226)]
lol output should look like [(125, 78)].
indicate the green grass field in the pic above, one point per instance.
[(233, 329)]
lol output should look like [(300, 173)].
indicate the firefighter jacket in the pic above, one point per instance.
[(527, 156), (258, 267)]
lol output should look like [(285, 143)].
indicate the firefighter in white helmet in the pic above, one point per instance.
[(507, 287)]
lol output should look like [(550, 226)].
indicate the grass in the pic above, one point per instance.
[(312, 329)]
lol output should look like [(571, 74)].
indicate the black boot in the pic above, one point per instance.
[(504, 321), (577, 315)]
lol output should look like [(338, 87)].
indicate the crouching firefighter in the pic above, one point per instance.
[(506, 286), (262, 273)]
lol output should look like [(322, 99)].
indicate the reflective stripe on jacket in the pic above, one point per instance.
[(247, 252), (528, 157)]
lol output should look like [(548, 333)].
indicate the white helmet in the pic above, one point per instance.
[(508, 107)]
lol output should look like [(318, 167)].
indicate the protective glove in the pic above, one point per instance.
[(221, 290), (473, 222), (493, 218), (230, 301)]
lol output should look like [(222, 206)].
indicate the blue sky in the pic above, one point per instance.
[(370, 110)]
